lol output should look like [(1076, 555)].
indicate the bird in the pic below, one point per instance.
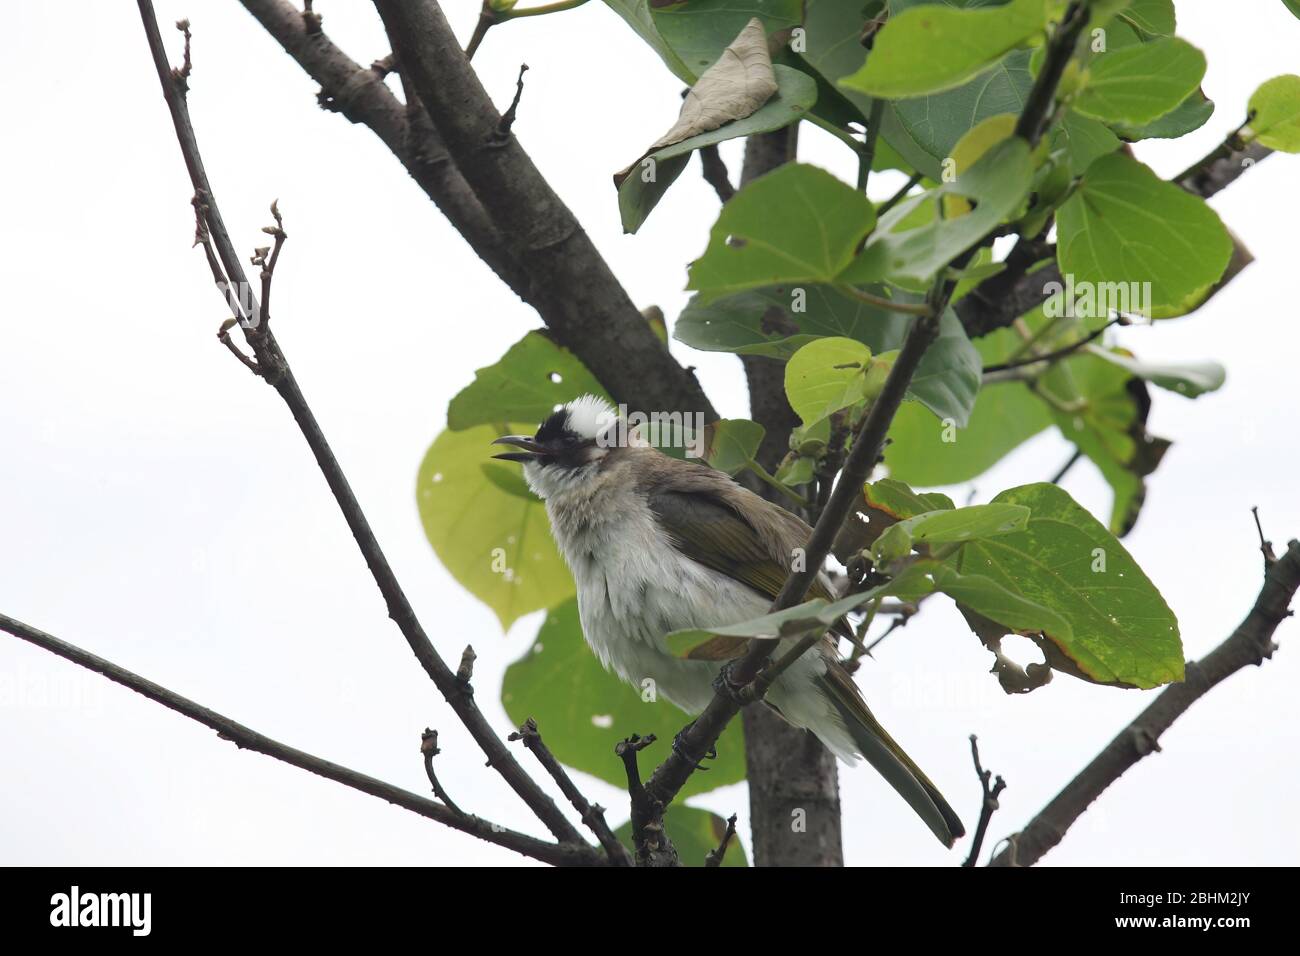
[(658, 544)]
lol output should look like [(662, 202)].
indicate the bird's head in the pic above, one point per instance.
[(567, 448)]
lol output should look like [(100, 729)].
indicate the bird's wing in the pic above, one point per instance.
[(707, 530)]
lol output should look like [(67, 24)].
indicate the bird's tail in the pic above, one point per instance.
[(888, 758)]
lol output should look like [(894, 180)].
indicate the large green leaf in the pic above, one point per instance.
[(645, 185), (1275, 114), (925, 130), (924, 451), (1123, 632), (932, 48), (583, 711), (778, 320), (796, 224), (526, 384), (689, 37), (497, 544), (1126, 225), (694, 833), (998, 182), (1135, 85)]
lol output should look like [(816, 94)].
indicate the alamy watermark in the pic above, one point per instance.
[(1096, 300)]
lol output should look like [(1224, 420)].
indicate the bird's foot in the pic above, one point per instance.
[(728, 686), (679, 748)]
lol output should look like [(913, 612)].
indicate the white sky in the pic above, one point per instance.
[(158, 506)]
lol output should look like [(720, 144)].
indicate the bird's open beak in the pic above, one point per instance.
[(530, 448)]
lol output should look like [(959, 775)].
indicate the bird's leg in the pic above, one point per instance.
[(679, 747)]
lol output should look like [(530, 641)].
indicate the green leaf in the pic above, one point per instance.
[(1135, 85), (990, 599), (1152, 18), (796, 93), (953, 525), (825, 376), (998, 183), (897, 500), (1190, 115), (833, 48), (1123, 632), (495, 543), (1126, 225), (689, 38), (795, 471), (947, 381), (694, 833), (925, 130), (796, 224), (1293, 6), (1084, 140), (1275, 114), (731, 443), (932, 48), (533, 377), (1104, 413), (926, 452), (1189, 379), (583, 711)]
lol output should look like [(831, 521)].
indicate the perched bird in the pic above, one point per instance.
[(658, 544)]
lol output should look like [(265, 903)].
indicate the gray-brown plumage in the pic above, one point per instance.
[(656, 545)]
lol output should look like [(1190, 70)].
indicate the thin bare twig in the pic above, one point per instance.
[(429, 749), (715, 856), (274, 369), (988, 805), (591, 814)]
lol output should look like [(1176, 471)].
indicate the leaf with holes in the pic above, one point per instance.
[(795, 224), (1121, 630), (526, 384)]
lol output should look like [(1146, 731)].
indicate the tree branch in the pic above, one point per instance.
[(1250, 643), (359, 93), (569, 283), (592, 814), (274, 368), (558, 854)]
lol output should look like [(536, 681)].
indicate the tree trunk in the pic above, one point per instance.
[(794, 800)]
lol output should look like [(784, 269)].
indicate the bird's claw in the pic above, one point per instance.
[(679, 748), (724, 684)]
